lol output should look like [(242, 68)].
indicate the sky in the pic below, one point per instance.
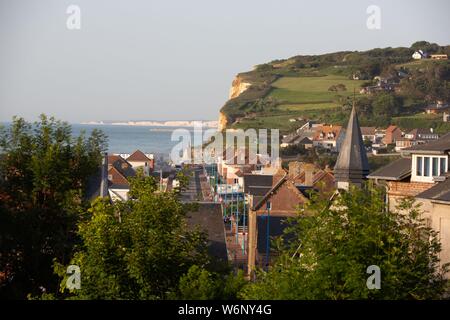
[(175, 60)]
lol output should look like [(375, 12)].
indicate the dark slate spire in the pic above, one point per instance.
[(351, 166)]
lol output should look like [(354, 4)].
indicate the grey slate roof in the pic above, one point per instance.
[(97, 184), (257, 180), (305, 140), (352, 164), (442, 145), (209, 218), (258, 191), (395, 170), (439, 192)]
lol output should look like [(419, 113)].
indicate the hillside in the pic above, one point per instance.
[(321, 87)]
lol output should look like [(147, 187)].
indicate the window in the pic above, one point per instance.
[(443, 166), (419, 166), (426, 166), (435, 166)]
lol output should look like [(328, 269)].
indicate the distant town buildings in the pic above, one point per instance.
[(115, 172), (392, 133), (437, 108), (419, 54), (329, 137)]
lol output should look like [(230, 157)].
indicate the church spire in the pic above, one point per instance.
[(351, 166)]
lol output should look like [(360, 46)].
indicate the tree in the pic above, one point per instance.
[(332, 246), (183, 177), (201, 284), (43, 175), (136, 249), (386, 105)]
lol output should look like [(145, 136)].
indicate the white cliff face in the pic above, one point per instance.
[(238, 86), (223, 121)]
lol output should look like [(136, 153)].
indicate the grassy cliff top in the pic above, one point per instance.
[(321, 87)]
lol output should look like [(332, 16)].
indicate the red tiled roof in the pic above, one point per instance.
[(117, 178), (113, 158), (138, 156), (325, 130), (366, 131), (391, 128)]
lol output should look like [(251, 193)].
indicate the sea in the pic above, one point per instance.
[(127, 138)]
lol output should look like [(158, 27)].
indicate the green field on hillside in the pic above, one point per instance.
[(279, 121), (312, 89), (307, 106)]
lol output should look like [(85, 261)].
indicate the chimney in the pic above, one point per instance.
[(294, 168), (104, 182), (309, 174)]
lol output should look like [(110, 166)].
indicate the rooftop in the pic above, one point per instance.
[(396, 170), (138, 156), (442, 145), (438, 193)]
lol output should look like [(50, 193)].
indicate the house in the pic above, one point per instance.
[(368, 134), (268, 212), (296, 139), (422, 134), (403, 143), (437, 108), (308, 177), (439, 57), (392, 134), (305, 143), (436, 204), (140, 160), (119, 171), (417, 55), (422, 173), (328, 137)]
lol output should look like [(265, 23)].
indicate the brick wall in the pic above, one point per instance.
[(408, 188)]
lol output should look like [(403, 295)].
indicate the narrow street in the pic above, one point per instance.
[(194, 192)]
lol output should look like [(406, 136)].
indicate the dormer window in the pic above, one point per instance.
[(426, 167)]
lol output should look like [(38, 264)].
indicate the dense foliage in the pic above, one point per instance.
[(43, 175), (138, 249), (331, 249)]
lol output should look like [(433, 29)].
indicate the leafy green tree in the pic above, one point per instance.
[(43, 174), (183, 178), (201, 284), (136, 249), (386, 105), (331, 247), (198, 284)]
